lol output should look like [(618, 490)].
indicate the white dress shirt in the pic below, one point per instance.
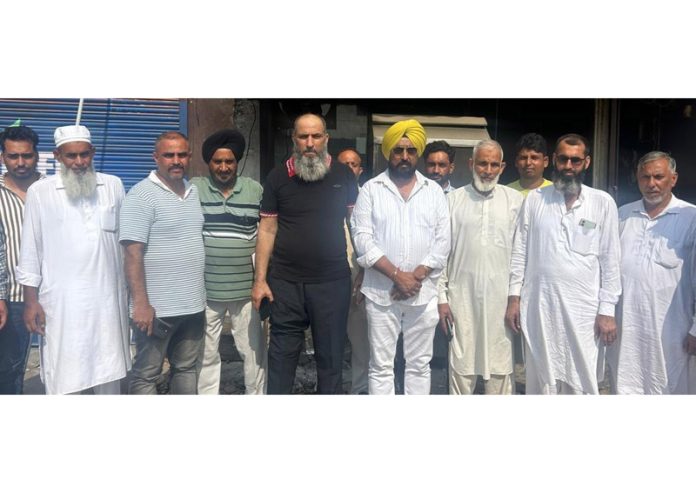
[(410, 232)]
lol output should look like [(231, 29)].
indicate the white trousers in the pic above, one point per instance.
[(359, 347), (417, 323), (465, 384), (248, 339)]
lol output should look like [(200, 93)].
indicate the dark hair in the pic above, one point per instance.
[(170, 135), (19, 133), (439, 146), (574, 140), (532, 141)]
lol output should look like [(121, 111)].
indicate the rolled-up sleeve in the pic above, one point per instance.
[(437, 256), (363, 231)]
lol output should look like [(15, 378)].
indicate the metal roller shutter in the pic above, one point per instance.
[(123, 130)]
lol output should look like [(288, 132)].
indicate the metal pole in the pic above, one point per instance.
[(79, 111)]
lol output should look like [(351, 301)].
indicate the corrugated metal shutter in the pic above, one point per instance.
[(123, 130)]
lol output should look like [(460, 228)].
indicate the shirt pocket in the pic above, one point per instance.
[(108, 218), (585, 241), (668, 255)]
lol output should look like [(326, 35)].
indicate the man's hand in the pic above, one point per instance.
[(605, 329), (259, 291), (34, 317), (421, 272), (3, 313), (690, 344), (405, 285), (143, 316), (443, 311), (512, 314)]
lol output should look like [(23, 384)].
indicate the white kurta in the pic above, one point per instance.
[(475, 281), (658, 276), (565, 267), (71, 253)]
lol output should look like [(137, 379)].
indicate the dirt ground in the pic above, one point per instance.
[(232, 378)]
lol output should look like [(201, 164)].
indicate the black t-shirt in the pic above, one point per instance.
[(310, 245)]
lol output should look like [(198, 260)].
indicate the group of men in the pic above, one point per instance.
[(404, 255)]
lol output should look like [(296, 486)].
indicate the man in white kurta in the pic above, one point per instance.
[(565, 270), (657, 329), (473, 288), (72, 271)]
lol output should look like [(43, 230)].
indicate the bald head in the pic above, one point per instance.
[(351, 159)]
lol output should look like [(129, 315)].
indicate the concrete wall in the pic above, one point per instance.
[(206, 116)]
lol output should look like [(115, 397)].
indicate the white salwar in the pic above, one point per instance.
[(565, 268), (656, 312), (70, 252), (410, 232), (475, 281)]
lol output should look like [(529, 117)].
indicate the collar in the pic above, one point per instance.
[(672, 208), (290, 166), (421, 181), (156, 180), (235, 189)]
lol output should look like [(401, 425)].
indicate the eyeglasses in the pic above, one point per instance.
[(399, 151), (561, 159)]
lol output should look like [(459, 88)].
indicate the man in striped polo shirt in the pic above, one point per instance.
[(161, 232), (230, 206), (20, 156)]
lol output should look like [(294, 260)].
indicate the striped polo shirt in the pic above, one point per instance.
[(171, 228), (229, 235), (11, 217)]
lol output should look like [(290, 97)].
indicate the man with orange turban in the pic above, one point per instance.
[(401, 230)]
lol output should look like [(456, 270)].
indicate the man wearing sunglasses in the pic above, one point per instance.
[(401, 229), (564, 276)]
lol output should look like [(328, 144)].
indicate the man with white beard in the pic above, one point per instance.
[(301, 265), (72, 271), (473, 286), (657, 328), (564, 276)]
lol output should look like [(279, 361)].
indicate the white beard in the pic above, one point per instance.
[(312, 168), (78, 186), (484, 186)]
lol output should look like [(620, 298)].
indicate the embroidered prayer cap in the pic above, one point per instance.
[(411, 129), (72, 133), (227, 138)]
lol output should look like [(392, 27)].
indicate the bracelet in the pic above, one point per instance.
[(396, 271)]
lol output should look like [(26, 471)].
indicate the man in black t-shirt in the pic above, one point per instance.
[(301, 264)]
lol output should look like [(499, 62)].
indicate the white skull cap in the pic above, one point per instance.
[(72, 133)]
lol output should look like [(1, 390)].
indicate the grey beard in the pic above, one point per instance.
[(312, 168), (568, 186), (484, 186), (78, 186)]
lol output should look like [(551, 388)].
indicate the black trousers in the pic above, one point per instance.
[(324, 307)]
